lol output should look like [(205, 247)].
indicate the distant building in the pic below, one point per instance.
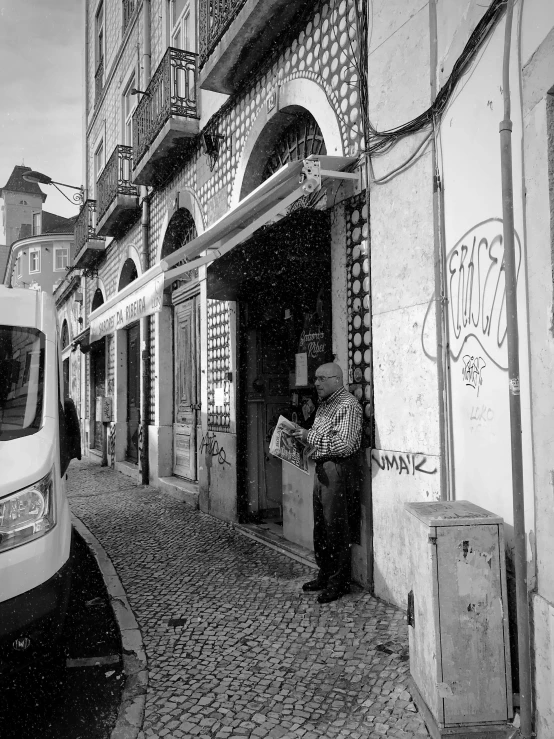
[(39, 262), (22, 206), (38, 245)]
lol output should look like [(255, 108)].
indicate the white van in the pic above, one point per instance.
[(35, 525)]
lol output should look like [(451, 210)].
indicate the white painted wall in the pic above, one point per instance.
[(471, 175)]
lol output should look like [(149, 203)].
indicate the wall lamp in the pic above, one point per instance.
[(37, 178), (211, 143)]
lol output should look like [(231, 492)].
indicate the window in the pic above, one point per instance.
[(128, 10), (98, 163), (129, 105), (21, 381), (61, 258), (37, 224), (179, 24), (34, 260), (99, 51)]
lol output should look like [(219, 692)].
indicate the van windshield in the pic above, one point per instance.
[(21, 381)]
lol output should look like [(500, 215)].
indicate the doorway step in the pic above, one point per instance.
[(268, 534), (184, 490)]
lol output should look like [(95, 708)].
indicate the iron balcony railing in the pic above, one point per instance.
[(172, 91), (129, 7), (115, 179), (99, 81), (85, 225), (215, 18)]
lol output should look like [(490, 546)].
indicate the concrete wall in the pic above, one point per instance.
[(402, 251), (537, 58)]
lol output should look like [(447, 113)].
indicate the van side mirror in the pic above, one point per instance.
[(70, 438)]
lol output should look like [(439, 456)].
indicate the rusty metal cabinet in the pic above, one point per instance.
[(458, 620)]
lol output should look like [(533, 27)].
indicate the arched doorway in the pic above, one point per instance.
[(128, 274), (185, 341), (282, 280)]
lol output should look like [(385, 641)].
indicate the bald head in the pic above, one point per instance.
[(328, 379)]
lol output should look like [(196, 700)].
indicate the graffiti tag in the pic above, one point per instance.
[(210, 445), (403, 463), (481, 414), (476, 287), (472, 371)]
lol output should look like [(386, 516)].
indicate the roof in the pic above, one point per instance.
[(16, 183), (51, 223)]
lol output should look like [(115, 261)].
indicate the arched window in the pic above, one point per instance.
[(298, 140), (65, 335), (128, 274), (97, 300), (180, 230)]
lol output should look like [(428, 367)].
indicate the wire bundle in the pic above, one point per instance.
[(380, 142)]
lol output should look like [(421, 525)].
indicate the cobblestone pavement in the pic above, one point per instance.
[(235, 649)]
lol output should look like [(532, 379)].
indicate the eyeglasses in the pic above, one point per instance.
[(322, 378)]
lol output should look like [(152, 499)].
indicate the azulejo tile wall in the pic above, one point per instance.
[(359, 309)]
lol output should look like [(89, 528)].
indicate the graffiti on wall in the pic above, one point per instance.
[(111, 445), (211, 447), (403, 463), (476, 289), (472, 371)]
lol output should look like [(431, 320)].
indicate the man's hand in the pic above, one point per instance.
[(300, 434)]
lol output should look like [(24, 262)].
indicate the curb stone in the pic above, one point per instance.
[(133, 700)]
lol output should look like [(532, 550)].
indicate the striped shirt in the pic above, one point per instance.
[(337, 429)]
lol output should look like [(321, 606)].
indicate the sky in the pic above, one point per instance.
[(41, 45)]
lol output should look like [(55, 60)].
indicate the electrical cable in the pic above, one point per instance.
[(382, 141), (411, 159)]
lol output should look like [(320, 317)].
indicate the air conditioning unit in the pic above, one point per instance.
[(458, 620)]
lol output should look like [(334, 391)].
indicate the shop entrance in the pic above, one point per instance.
[(98, 383), (288, 300), (133, 392), (281, 280)]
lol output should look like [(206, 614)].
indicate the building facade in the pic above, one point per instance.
[(272, 185)]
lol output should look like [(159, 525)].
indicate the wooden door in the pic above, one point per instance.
[(186, 347), (267, 391), (133, 392)]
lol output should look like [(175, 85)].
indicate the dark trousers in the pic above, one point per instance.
[(336, 505)]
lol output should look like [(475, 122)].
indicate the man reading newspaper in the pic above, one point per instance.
[(336, 437)]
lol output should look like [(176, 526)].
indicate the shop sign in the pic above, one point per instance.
[(143, 302)]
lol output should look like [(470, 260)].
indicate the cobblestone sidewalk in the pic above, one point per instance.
[(235, 649)]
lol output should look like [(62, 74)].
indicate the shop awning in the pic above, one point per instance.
[(144, 296), (262, 205)]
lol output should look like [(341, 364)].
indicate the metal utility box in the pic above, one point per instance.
[(458, 620)]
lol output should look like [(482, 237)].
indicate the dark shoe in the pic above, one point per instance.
[(331, 594), (314, 585)]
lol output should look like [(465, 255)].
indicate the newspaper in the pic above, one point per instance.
[(284, 446)]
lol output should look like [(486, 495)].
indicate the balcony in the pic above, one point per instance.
[(99, 81), (236, 34), (166, 119), (117, 197), (88, 245)]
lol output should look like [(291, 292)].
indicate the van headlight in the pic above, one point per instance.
[(27, 514)]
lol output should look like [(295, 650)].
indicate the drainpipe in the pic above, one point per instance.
[(145, 219), (446, 467), (520, 553)]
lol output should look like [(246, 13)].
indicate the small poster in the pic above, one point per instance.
[(284, 446), (301, 379), (219, 396)]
